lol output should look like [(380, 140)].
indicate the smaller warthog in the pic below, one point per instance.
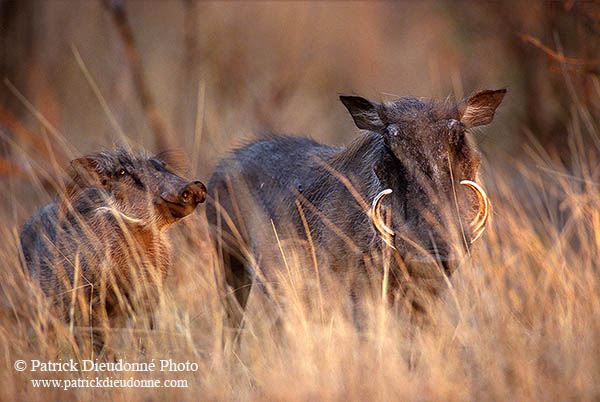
[(102, 246)]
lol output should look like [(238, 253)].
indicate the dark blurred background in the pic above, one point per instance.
[(208, 76)]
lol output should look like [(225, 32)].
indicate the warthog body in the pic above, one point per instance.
[(103, 245), (420, 151)]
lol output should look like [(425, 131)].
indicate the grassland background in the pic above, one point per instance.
[(520, 321)]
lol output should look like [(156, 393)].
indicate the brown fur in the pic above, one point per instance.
[(102, 248)]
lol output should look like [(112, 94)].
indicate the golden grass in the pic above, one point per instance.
[(520, 321)]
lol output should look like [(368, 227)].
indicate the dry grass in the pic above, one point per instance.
[(520, 321)]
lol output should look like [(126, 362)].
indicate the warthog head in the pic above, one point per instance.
[(435, 204), (142, 190)]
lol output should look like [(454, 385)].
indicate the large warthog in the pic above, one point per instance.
[(414, 160), (102, 246)]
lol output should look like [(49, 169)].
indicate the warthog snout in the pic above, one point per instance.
[(477, 225), (441, 252), (181, 202)]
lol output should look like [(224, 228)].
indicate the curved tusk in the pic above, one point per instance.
[(381, 228), (478, 224), (126, 218), (112, 208)]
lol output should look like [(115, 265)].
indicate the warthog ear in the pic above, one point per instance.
[(366, 114), (479, 109), (86, 173)]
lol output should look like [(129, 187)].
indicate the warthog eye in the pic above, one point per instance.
[(122, 172)]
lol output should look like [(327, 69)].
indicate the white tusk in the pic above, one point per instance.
[(381, 228), (478, 224), (126, 218)]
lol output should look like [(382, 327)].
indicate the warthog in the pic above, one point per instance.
[(409, 161), (102, 246)]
